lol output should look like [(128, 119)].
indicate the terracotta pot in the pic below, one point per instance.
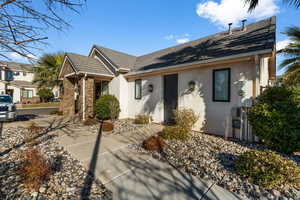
[(107, 126)]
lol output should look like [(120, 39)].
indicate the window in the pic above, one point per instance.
[(138, 89), (9, 75), (104, 87), (101, 88), (221, 85), (27, 93), (24, 73)]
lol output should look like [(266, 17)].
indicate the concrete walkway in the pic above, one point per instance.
[(128, 174), (132, 175)]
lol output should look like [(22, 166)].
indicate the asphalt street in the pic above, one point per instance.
[(36, 111)]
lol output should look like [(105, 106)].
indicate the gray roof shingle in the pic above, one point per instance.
[(257, 36), (88, 64), (14, 66), (118, 59)]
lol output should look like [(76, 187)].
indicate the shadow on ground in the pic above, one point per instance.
[(52, 125), (153, 179)]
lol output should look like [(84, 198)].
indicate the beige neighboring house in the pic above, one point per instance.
[(16, 80), (215, 76)]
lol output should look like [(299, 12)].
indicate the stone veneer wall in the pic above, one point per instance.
[(68, 98), (90, 91)]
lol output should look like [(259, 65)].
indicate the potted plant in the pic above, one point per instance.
[(107, 109)]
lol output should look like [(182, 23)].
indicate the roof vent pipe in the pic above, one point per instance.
[(243, 24), (229, 28)]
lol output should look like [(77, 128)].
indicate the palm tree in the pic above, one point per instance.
[(47, 70), (254, 3), (292, 63)]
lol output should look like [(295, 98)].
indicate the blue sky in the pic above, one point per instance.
[(138, 27)]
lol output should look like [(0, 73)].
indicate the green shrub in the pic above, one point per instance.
[(175, 132), (275, 118), (45, 94), (107, 107), (267, 169), (185, 118), (142, 119)]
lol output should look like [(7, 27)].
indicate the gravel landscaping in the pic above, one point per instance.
[(67, 182), (212, 158), (120, 126)]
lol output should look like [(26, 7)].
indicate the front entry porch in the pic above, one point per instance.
[(80, 94)]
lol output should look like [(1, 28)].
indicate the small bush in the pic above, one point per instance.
[(107, 126), (275, 118), (45, 94), (186, 118), (267, 169), (34, 170), (32, 133), (107, 107), (154, 143), (142, 119), (175, 132)]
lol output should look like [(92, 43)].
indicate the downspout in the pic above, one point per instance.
[(83, 98)]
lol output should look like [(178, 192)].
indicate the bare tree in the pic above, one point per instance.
[(23, 23)]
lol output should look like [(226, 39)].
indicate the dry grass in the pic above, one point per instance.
[(34, 170), (154, 143), (32, 133)]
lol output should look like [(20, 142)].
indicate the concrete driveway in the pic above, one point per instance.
[(132, 175)]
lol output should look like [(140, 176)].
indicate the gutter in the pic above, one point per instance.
[(132, 74)]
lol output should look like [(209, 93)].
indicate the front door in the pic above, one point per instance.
[(170, 97)]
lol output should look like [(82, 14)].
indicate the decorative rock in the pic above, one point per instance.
[(212, 158), (68, 176), (42, 189)]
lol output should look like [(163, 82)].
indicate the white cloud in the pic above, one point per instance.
[(182, 40), (18, 57), (282, 44), (169, 37), (233, 11)]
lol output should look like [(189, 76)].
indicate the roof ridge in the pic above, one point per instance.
[(117, 51)]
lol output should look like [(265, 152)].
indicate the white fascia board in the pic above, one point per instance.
[(199, 62)]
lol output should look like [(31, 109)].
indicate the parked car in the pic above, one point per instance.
[(7, 108)]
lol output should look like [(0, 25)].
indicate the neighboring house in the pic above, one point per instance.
[(212, 75), (16, 80)]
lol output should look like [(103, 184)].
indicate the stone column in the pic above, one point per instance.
[(68, 98), (90, 97)]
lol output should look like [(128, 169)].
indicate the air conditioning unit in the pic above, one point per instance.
[(241, 128)]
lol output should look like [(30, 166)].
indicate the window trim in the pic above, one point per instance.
[(135, 85), (229, 85)]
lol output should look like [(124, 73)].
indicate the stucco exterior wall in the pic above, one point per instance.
[(16, 94), (151, 102), (264, 71), (118, 87), (2, 87), (28, 77), (214, 117)]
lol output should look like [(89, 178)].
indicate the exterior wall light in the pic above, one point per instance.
[(192, 86), (150, 88)]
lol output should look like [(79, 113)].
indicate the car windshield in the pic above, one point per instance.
[(5, 99)]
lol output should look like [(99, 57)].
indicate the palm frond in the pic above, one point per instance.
[(252, 4), (295, 3)]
